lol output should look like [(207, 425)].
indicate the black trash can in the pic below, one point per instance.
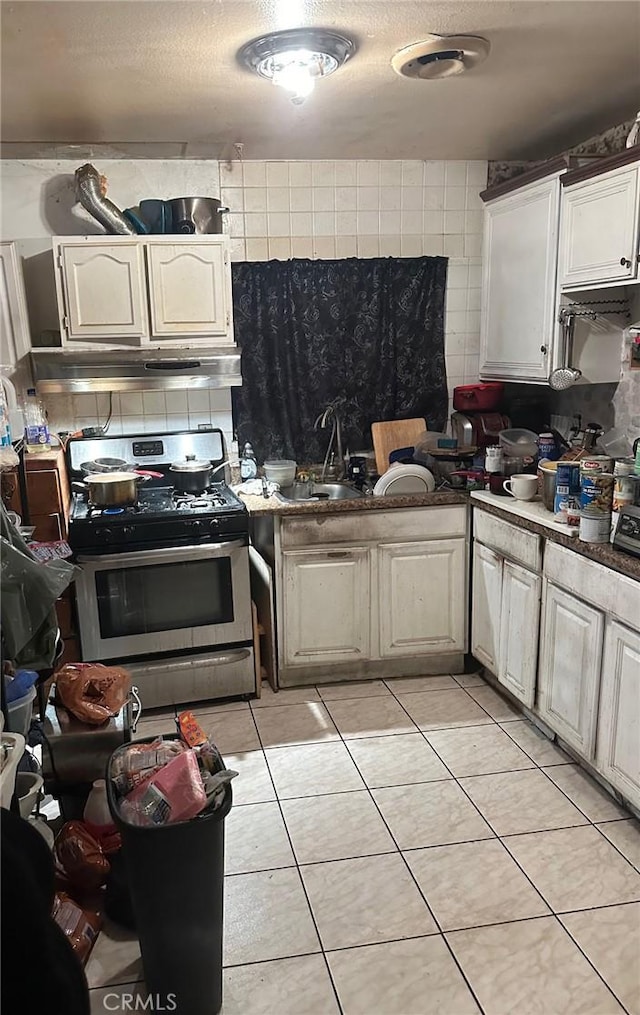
[(176, 879)]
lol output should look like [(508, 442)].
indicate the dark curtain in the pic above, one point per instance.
[(368, 333)]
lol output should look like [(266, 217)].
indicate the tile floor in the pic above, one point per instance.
[(411, 847)]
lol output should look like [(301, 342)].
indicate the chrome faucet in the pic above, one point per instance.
[(331, 414)]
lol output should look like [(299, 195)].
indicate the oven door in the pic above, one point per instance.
[(169, 600)]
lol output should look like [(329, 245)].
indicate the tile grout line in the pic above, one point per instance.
[(299, 872), (412, 876)]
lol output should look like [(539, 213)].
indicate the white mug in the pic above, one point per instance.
[(522, 486)]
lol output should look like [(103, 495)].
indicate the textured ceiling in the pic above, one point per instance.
[(160, 79)]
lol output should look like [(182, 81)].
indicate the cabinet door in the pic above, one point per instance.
[(618, 749), (599, 229), (570, 668), (15, 340), (519, 276), (421, 597), (485, 606), (519, 626), (188, 288), (326, 594), (103, 290)]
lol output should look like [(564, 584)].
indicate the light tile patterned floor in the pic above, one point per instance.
[(411, 847)]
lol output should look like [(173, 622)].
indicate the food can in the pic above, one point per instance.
[(567, 490), (596, 494), (596, 463), (546, 446), (595, 529)]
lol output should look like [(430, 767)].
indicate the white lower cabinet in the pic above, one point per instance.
[(486, 606), (327, 611), (519, 629), (618, 746), (505, 612), (421, 597), (569, 673)]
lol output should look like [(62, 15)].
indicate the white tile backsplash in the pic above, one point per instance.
[(325, 209)]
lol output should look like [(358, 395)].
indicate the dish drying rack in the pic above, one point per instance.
[(596, 311)]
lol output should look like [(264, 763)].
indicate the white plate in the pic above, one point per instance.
[(400, 480)]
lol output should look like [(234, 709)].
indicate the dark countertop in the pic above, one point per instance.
[(274, 506), (602, 553)]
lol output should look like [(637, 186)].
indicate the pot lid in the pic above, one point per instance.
[(190, 464)]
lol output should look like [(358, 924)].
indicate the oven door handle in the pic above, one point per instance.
[(174, 553)]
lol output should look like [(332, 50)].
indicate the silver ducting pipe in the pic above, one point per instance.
[(91, 189)]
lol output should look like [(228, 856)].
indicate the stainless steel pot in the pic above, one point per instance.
[(190, 475), (196, 215), (113, 489), (547, 482), (102, 465)]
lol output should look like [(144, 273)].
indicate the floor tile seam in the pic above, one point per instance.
[(395, 733), (636, 867), (588, 960), (301, 879), (299, 864), (419, 889), (360, 789), (118, 983), (564, 793), (548, 916), (523, 749), (366, 736), (451, 727), (535, 887)]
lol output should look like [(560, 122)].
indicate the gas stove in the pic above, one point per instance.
[(162, 515)]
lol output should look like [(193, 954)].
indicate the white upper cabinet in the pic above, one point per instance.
[(519, 282), (569, 677), (121, 291), (618, 750), (599, 229), (421, 597), (188, 288), (15, 340), (103, 291)]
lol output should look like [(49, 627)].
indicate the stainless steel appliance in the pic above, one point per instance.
[(478, 428), (164, 586), (627, 534)]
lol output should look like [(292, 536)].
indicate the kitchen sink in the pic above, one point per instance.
[(318, 491)]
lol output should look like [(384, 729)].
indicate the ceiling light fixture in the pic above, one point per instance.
[(296, 58)]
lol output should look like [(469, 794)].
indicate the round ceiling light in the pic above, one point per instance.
[(440, 56), (296, 58)]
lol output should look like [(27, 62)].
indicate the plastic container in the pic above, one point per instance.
[(19, 713), (477, 397), (176, 880), (14, 744), (248, 463), (519, 443), (28, 786), (280, 470)]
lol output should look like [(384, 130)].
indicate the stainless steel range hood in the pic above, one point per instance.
[(68, 371)]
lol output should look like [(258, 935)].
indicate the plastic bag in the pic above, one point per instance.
[(81, 926), (140, 761), (80, 857), (28, 592), (175, 793), (93, 692)]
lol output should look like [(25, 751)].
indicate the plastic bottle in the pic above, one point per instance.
[(5, 428), (36, 429), (248, 463), (97, 817)]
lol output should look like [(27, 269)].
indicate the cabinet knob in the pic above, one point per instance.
[(625, 262), (543, 350)]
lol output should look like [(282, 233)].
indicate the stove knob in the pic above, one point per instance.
[(196, 525), (105, 535), (128, 530), (214, 525)]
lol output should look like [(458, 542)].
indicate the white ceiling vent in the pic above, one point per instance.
[(440, 56)]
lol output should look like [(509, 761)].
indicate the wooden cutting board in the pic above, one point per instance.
[(394, 434)]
